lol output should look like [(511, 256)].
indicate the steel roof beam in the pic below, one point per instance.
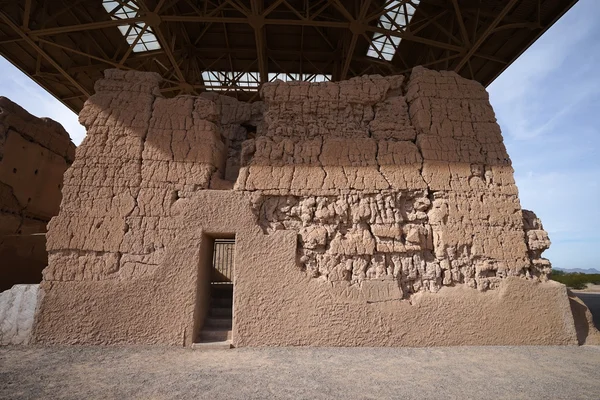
[(268, 21), (357, 29), (461, 23), (153, 19), (257, 21), (482, 38), (418, 39), (41, 52), (26, 15), (85, 27)]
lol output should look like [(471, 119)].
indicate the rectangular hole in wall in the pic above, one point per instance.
[(214, 309), (223, 260)]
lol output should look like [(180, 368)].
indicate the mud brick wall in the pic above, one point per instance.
[(34, 154), (109, 241), (239, 122), (378, 211), (140, 151), (388, 179)]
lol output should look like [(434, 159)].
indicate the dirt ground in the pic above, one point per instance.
[(300, 373)]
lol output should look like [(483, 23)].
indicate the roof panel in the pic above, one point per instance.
[(65, 46)]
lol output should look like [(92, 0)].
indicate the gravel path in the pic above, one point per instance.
[(300, 373)]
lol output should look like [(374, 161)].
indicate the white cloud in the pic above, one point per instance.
[(544, 85)]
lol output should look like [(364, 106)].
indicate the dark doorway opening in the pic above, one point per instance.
[(217, 327)]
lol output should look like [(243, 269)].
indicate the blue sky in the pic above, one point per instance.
[(548, 106)]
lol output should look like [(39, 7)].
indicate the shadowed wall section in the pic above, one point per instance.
[(34, 154), (370, 212)]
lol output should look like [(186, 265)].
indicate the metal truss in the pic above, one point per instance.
[(234, 46)]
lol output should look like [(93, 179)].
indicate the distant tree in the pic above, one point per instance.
[(574, 280)]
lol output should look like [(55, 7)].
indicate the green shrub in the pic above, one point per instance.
[(574, 280)]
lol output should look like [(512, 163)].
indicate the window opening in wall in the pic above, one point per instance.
[(222, 271), (250, 130)]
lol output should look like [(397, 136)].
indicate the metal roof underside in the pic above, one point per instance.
[(64, 45)]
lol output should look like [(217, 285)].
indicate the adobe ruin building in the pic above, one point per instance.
[(34, 154), (378, 211)]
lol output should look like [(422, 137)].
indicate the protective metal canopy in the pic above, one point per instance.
[(234, 46)]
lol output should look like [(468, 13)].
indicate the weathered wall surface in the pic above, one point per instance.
[(375, 211), (239, 122), (34, 154), (140, 152), (414, 188)]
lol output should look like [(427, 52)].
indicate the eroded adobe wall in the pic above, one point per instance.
[(239, 122), (403, 199), (390, 180), (375, 211), (107, 246), (34, 154)]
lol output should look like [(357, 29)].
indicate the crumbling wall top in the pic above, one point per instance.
[(44, 131)]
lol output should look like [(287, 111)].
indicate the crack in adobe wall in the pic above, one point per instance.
[(31, 139), (454, 264), (142, 153), (377, 217), (430, 194), (357, 170)]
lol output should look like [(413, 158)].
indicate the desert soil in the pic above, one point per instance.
[(300, 373)]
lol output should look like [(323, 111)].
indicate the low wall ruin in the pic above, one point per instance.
[(17, 311), (379, 211), (34, 154)]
